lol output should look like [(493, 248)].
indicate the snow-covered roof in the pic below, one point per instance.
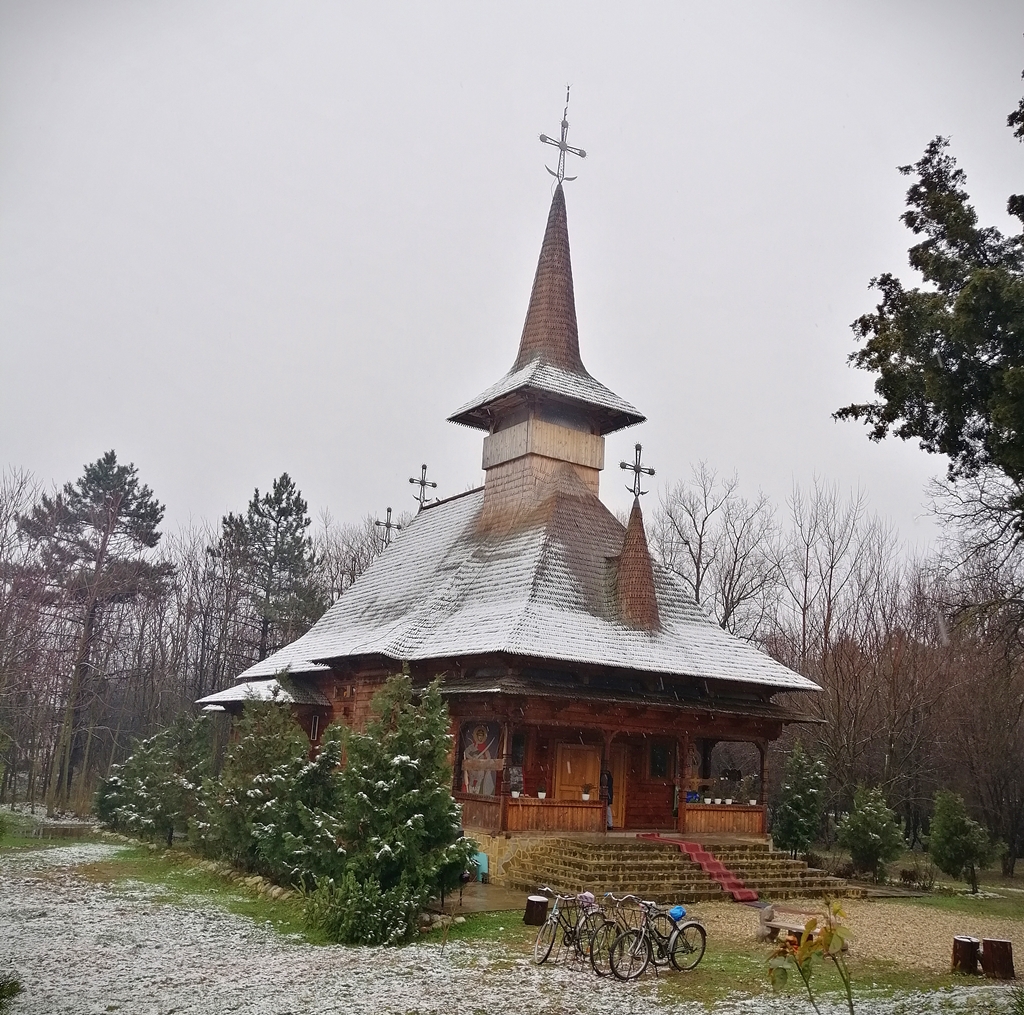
[(284, 690), (540, 586), (568, 385)]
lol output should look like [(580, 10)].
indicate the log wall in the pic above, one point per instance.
[(725, 818), (531, 815)]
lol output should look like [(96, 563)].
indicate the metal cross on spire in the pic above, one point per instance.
[(562, 146), (638, 470), (388, 526), (422, 483)]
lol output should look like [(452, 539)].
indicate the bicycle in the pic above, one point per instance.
[(660, 939), (625, 916), (577, 916)]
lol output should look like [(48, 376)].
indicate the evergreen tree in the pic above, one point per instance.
[(90, 540), (157, 790), (798, 815), (267, 738), (274, 559), (871, 832), (398, 821), (296, 828), (958, 845), (948, 356)]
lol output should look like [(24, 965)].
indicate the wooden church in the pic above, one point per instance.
[(586, 689)]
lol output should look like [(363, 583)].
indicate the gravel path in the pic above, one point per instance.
[(889, 930), (83, 948)]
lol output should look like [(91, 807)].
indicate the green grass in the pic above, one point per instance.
[(182, 882), (18, 832)]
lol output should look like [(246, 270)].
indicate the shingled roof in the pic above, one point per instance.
[(549, 362), (541, 586)]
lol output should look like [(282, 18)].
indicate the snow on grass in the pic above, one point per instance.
[(89, 948)]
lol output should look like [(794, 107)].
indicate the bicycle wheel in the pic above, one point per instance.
[(687, 948), (585, 931), (630, 954), (661, 927), (545, 940), (601, 947)]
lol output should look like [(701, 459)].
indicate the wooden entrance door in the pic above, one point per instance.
[(577, 766), (619, 768)]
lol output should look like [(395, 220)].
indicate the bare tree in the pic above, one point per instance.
[(723, 546)]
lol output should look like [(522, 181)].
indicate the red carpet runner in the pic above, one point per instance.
[(712, 867)]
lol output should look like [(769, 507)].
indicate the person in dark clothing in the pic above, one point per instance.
[(609, 783)]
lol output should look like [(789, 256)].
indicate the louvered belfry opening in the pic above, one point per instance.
[(634, 579)]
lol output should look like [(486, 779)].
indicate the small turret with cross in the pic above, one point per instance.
[(638, 470)]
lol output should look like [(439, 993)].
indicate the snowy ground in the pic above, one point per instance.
[(85, 948)]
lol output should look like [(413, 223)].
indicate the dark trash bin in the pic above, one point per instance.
[(536, 910)]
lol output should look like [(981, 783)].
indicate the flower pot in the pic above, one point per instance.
[(718, 799), (707, 799), (728, 801), (753, 803), (541, 794), (586, 796), (515, 794)]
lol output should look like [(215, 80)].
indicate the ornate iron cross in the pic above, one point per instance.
[(422, 483), (638, 470), (562, 146), (388, 526)]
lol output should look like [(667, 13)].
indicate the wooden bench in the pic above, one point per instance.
[(773, 919)]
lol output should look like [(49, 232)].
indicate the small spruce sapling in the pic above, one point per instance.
[(802, 801), (958, 845), (157, 790), (871, 832)]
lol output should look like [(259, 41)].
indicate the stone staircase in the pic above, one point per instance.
[(659, 871)]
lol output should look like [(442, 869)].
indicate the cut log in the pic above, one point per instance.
[(997, 958), (965, 955), (536, 910)]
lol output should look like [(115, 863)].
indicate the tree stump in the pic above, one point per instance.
[(997, 958), (536, 910), (965, 955)]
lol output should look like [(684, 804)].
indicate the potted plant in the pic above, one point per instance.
[(586, 790), (748, 789), (515, 794), (542, 790), (728, 801), (707, 799), (718, 799)]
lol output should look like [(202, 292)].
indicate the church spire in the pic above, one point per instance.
[(548, 374), (550, 333), (634, 582)]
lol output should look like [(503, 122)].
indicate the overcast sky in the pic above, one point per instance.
[(242, 238)]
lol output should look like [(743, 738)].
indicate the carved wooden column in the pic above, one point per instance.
[(682, 778), (762, 796), (606, 760), (506, 746)]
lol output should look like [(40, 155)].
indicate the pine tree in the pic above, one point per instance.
[(798, 815), (90, 540), (273, 556), (958, 845)]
